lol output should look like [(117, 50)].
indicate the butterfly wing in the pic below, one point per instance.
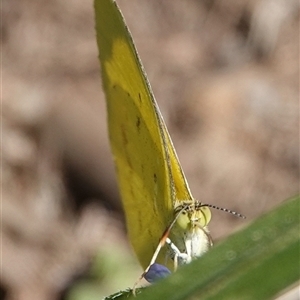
[(137, 139), (150, 177), (181, 188)]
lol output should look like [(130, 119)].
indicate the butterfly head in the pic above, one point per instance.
[(191, 215)]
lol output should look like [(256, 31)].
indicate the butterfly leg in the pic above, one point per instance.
[(180, 258)]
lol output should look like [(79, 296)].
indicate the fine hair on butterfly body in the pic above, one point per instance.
[(190, 234)]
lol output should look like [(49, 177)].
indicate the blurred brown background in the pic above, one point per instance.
[(226, 76)]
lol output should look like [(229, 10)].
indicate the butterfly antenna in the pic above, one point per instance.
[(225, 210)]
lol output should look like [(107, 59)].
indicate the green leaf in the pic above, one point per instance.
[(127, 294)]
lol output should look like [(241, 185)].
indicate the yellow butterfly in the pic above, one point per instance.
[(157, 201)]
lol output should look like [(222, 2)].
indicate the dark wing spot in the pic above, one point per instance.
[(131, 192), (125, 143), (138, 123), (142, 167), (124, 136), (155, 177)]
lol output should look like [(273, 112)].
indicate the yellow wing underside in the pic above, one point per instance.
[(149, 175)]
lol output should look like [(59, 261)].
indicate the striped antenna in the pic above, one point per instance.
[(225, 210)]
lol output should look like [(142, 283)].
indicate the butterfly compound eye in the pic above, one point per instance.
[(183, 220), (205, 216)]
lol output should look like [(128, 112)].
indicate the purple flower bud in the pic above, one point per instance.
[(156, 272)]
